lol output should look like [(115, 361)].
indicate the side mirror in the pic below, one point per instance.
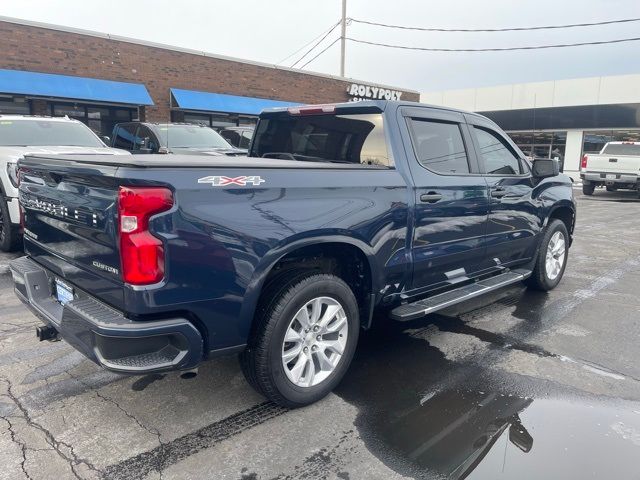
[(545, 167), (106, 139)]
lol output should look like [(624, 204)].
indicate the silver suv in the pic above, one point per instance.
[(23, 135)]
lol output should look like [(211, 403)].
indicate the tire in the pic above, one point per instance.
[(9, 235), (542, 278), (588, 188), (262, 362), (611, 188)]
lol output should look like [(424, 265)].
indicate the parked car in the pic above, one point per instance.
[(617, 166), (284, 256), (21, 135), (182, 138), (239, 137)]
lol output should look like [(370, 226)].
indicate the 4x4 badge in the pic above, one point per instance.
[(221, 180)]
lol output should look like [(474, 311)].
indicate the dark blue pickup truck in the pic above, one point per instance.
[(158, 262)]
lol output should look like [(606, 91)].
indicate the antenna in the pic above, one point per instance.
[(343, 36)]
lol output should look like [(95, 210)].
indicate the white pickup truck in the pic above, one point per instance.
[(617, 166), (22, 135)]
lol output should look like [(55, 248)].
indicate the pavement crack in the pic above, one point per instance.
[(153, 431), (22, 445), (73, 459)]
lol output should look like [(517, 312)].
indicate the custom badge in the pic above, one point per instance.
[(242, 181)]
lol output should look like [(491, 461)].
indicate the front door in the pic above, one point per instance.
[(451, 199), (513, 214)]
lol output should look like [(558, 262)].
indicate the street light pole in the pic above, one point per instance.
[(343, 35)]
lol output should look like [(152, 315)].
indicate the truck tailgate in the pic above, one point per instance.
[(70, 219), (613, 163)]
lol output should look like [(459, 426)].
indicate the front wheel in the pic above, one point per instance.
[(303, 342), (9, 235), (552, 257)]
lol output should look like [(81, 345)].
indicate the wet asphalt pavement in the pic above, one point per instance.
[(523, 385)]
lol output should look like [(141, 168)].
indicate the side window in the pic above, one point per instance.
[(145, 140), (123, 137), (498, 157), (245, 140), (439, 146), (231, 136)]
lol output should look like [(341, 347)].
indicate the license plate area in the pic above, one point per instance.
[(64, 292), (611, 177)]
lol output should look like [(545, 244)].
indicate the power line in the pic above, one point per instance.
[(315, 44), (309, 42), (324, 50), (500, 49), (510, 29)]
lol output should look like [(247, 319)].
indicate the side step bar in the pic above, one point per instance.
[(420, 308)]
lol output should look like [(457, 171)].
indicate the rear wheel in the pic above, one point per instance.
[(588, 188), (9, 235), (552, 257), (305, 335)]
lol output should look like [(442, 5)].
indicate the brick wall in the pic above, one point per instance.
[(38, 49)]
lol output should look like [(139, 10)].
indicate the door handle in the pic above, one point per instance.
[(430, 197), (498, 192)]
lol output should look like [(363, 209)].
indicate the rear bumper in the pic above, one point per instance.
[(601, 177), (103, 334)]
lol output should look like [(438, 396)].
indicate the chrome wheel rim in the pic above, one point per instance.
[(315, 341), (555, 255)]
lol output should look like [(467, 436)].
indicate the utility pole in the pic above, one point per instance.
[(343, 36)]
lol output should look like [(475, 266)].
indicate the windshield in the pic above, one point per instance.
[(191, 136), (355, 139), (622, 149), (31, 133)]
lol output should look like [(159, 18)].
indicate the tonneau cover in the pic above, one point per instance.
[(186, 161)]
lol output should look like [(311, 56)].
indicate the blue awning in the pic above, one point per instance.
[(220, 102), (79, 88)]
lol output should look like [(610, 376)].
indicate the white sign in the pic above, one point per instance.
[(363, 92)]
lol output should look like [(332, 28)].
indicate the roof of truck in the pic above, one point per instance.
[(368, 105)]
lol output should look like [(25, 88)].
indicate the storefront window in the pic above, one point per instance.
[(14, 106), (545, 144), (100, 119), (215, 120), (197, 119), (594, 140)]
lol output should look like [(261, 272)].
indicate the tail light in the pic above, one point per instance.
[(583, 163), (141, 254)]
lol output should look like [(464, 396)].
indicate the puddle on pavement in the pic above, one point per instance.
[(427, 417), (480, 435)]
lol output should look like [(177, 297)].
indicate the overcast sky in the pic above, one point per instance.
[(269, 30)]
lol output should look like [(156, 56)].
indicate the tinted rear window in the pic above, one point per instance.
[(622, 149), (355, 139)]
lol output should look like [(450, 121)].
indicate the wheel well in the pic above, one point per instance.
[(345, 261), (565, 215)]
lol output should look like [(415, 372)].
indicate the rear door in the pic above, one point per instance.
[(451, 198), (124, 135), (513, 214)]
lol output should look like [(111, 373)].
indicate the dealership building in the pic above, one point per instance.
[(561, 118), (104, 79)]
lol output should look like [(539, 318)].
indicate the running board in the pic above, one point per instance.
[(420, 308)]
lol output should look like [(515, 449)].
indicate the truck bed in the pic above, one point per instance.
[(190, 161)]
